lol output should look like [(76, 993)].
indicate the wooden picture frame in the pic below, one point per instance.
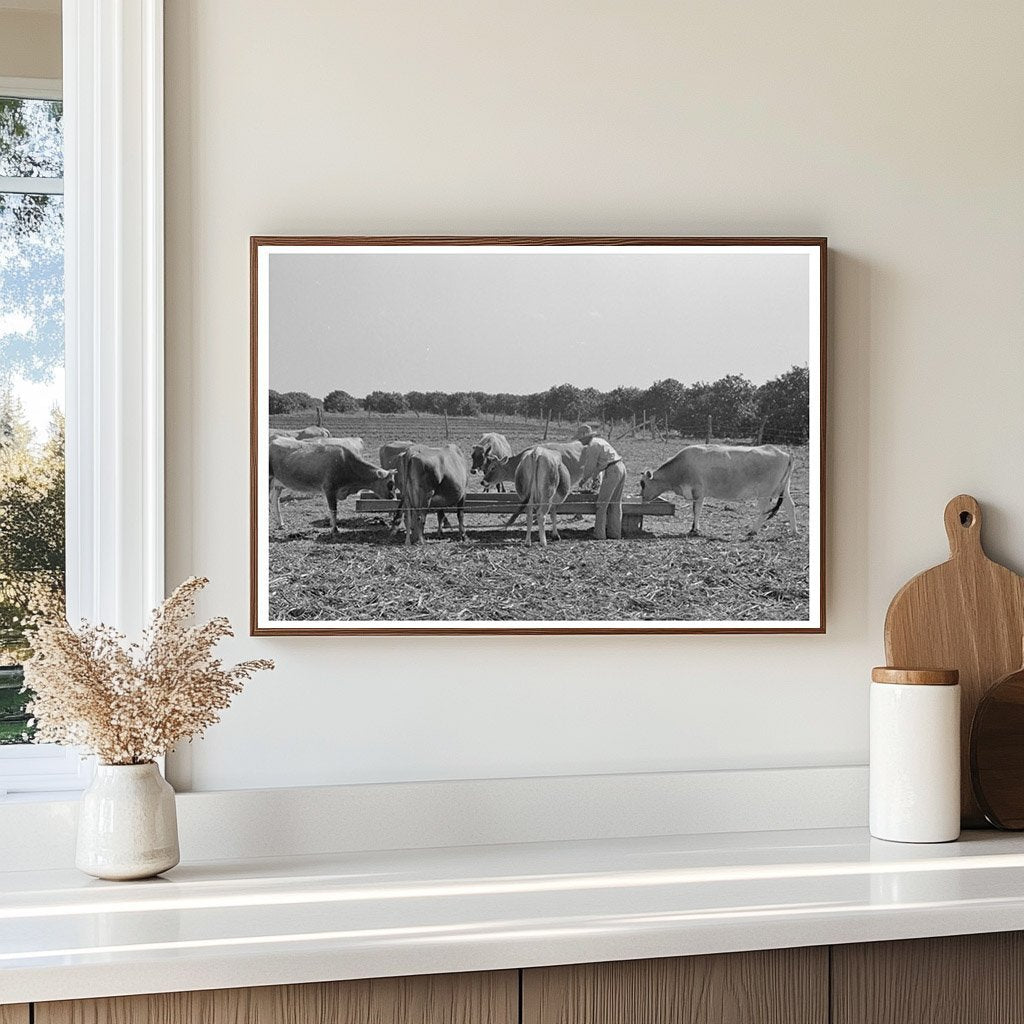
[(340, 314)]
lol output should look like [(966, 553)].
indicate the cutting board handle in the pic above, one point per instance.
[(963, 526)]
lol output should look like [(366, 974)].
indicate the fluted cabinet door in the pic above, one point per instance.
[(14, 1014), (778, 986), (960, 979), (482, 998)]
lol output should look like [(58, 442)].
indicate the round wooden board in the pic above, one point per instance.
[(997, 752)]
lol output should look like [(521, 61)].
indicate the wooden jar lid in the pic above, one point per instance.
[(916, 676)]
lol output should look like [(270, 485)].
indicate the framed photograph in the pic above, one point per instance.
[(537, 435)]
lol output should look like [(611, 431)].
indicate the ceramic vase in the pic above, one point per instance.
[(915, 755), (127, 825)]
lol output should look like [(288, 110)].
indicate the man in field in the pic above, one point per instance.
[(600, 457)]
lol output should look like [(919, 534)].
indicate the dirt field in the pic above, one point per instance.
[(662, 575)]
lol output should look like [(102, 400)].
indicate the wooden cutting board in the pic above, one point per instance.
[(967, 614)]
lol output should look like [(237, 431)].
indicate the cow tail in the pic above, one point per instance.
[(782, 489), (518, 512)]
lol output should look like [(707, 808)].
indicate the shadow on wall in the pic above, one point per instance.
[(853, 289)]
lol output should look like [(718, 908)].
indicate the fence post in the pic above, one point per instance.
[(708, 441), (547, 423), (760, 429), (634, 424), (666, 428), (319, 415), (447, 431)]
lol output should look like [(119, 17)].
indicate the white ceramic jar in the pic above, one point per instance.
[(915, 755), (127, 823)]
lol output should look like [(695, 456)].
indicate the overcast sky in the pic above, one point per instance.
[(524, 321)]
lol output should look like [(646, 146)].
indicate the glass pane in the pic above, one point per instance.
[(31, 431), (31, 138), (14, 726)]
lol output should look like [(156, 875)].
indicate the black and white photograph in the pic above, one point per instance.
[(537, 435)]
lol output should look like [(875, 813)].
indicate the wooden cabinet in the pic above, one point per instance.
[(968, 979), (962, 979), (491, 998), (778, 986)]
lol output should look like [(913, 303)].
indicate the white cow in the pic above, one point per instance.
[(353, 444), (503, 470), (490, 446), (300, 433), (335, 470), (498, 471), (731, 472), (542, 481)]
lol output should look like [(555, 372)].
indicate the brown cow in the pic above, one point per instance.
[(431, 476), (390, 456)]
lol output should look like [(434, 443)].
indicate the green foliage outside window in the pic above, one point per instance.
[(31, 352)]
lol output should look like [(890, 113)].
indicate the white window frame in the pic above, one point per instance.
[(114, 322), (31, 89)]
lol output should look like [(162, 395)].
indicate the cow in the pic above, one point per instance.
[(392, 451), (542, 481), (390, 456), (490, 446), (334, 469), (354, 444), (428, 476), (504, 470), (732, 472), (308, 433)]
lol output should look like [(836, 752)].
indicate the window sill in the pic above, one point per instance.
[(42, 797)]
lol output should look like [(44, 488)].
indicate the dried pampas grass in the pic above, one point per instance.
[(129, 703)]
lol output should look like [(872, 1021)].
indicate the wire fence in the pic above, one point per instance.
[(377, 430)]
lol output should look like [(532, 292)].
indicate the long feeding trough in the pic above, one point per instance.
[(495, 503)]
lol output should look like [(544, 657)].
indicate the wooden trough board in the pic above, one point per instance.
[(576, 504)]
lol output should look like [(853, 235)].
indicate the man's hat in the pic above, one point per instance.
[(586, 433)]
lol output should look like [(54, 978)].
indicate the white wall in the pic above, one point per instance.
[(895, 129)]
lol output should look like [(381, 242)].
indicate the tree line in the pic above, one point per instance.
[(31, 524), (778, 409)]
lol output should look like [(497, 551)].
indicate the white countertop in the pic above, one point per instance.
[(351, 915)]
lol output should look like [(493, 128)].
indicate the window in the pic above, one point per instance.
[(112, 211), (32, 532)]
